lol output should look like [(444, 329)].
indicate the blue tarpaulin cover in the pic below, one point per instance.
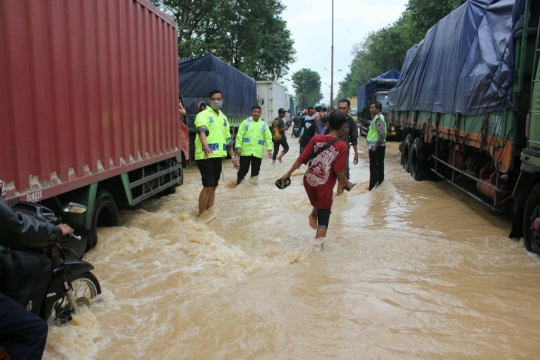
[(381, 82), (199, 76), (465, 62)]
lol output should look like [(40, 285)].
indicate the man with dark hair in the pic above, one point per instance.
[(376, 141), (349, 136), (212, 142), (278, 129), (326, 155), (253, 134), (297, 122), (309, 129)]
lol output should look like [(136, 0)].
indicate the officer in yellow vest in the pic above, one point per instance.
[(376, 140), (253, 134), (212, 142)]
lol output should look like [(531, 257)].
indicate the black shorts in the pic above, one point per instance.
[(323, 218), (210, 170)]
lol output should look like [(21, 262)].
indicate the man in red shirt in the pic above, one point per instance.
[(327, 156)]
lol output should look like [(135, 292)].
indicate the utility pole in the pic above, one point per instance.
[(332, 62)]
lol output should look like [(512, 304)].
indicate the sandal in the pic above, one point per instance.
[(283, 184)]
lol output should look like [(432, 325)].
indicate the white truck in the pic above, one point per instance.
[(271, 97)]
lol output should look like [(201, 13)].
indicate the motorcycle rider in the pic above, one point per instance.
[(22, 333)]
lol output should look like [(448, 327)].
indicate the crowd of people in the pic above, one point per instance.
[(325, 139)]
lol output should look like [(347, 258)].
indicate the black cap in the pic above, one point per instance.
[(281, 110)]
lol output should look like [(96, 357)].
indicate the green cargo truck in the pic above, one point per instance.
[(468, 101)]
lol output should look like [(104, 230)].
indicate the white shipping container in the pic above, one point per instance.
[(271, 97)]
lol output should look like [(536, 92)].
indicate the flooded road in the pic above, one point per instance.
[(413, 270)]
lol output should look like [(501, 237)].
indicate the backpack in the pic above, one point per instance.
[(310, 130), (25, 277)]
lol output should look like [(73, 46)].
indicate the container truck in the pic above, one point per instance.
[(200, 76), (272, 96), (376, 89), (88, 106), (468, 101)]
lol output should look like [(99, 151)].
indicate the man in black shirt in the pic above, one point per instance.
[(349, 136)]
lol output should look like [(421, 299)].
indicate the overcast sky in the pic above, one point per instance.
[(310, 22)]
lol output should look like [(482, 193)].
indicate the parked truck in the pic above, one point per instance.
[(468, 101), (89, 106), (376, 89), (200, 76), (272, 96)]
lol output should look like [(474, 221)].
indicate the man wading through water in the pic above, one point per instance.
[(349, 135), (278, 129), (376, 141), (326, 156), (212, 142), (253, 134)]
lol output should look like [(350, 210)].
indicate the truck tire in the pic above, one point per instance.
[(105, 214), (417, 162), (531, 236), (405, 153)]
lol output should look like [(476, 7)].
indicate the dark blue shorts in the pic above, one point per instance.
[(323, 218)]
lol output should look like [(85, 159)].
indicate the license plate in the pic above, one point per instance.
[(392, 133)]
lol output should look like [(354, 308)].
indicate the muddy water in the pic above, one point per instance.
[(409, 270)]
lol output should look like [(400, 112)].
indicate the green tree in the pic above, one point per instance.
[(248, 34), (307, 86), (426, 13)]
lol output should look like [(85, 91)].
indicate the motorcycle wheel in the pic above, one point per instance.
[(85, 287)]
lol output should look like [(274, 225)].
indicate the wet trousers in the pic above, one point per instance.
[(376, 166), (245, 163), (282, 142), (23, 334)]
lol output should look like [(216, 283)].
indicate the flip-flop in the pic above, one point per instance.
[(283, 184)]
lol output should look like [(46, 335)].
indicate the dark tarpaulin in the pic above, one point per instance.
[(199, 76), (381, 82), (464, 64)]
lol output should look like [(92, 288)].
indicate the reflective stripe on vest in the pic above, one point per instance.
[(214, 147)]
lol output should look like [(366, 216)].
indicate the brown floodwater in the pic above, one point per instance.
[(410, 270)]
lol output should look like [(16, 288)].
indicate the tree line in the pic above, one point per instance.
[(385, 49), (248, 34)]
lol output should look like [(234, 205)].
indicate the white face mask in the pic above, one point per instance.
[(216, 104)]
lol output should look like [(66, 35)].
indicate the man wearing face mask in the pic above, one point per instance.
[(212, 142)]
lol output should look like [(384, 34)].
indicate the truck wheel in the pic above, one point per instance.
[(416, 160), (531, 236), (105, 214), (405, 154)]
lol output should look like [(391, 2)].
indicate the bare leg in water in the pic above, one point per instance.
[(340, 187), (313, 218), (206, 199)]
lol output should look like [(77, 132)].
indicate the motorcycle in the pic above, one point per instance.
[(296, 130), (71, 284)]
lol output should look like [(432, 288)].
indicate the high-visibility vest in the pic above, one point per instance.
[(219, 133), (252, 137), (373, 135)]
